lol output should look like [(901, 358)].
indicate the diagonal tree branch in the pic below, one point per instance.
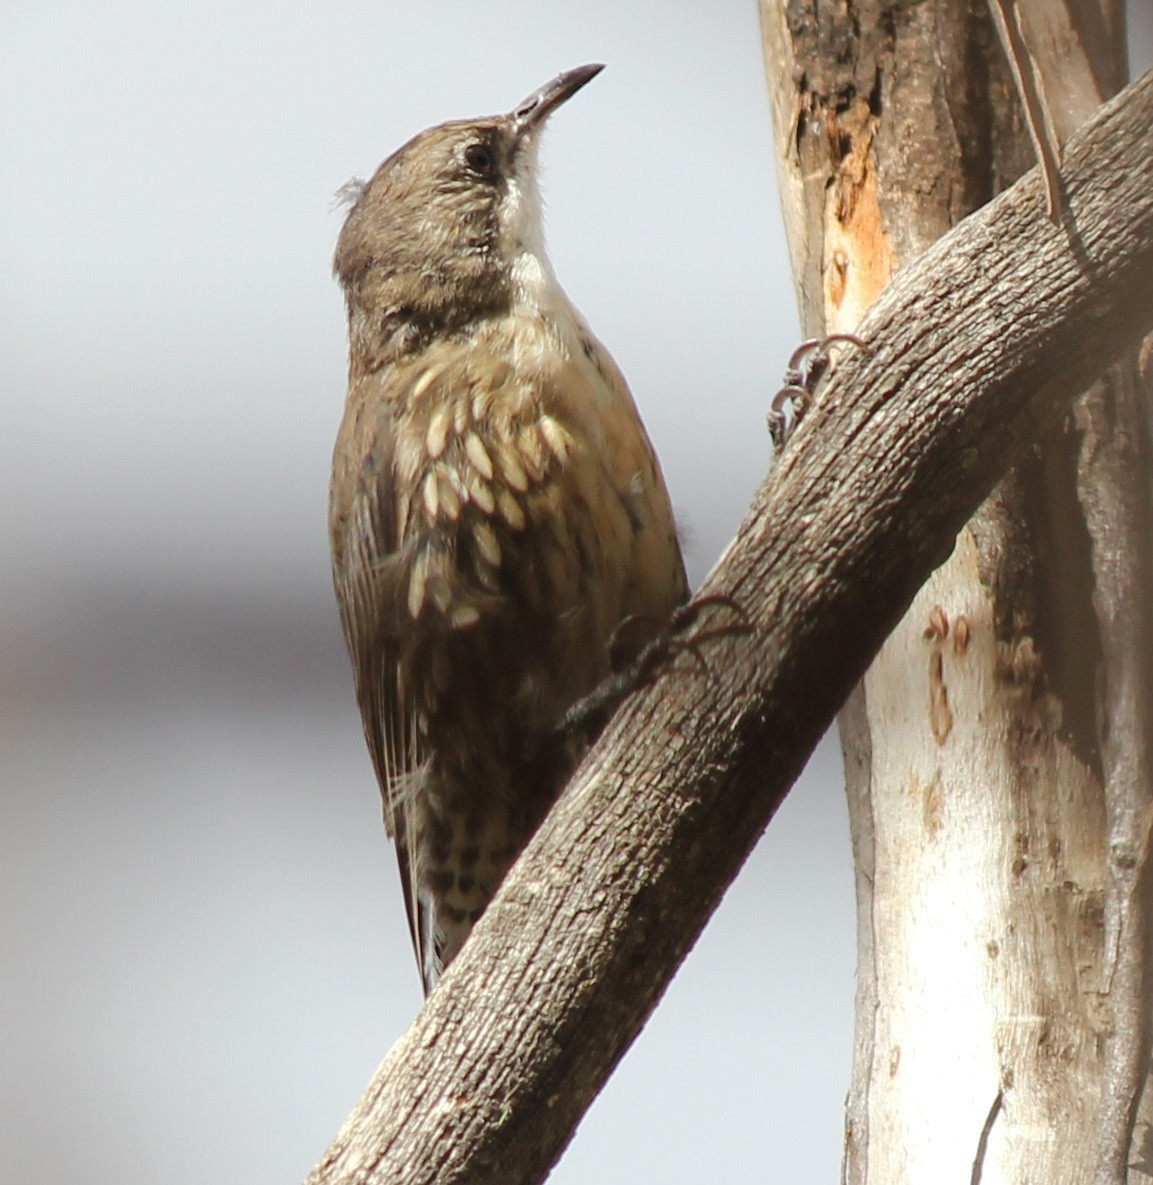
[(976, 346)]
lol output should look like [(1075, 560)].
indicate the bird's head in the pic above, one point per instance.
[(449, 228)]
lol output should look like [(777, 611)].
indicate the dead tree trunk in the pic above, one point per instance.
[(997, 751)]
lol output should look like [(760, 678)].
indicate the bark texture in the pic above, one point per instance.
[(562, 970), (997, 750)]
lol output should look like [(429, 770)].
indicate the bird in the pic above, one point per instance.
[(502, 536)]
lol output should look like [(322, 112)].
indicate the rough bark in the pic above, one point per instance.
[(560, 973), (996, 752)]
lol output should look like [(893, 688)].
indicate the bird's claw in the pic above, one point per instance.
[(589, 714), (687, 618), (807, 366)]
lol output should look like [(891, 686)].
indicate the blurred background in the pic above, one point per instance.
[(204, 952)]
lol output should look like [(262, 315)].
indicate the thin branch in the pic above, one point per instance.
[(983, 1138), (979, 343), (1037, 118)]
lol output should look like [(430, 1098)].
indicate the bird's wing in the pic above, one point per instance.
[(370, 563), (417, 506)]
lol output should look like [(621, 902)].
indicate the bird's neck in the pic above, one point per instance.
[(520, 242), (536, 292)]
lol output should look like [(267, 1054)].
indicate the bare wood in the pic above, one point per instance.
[(1082, 59), (1114, 420), (573, 954)]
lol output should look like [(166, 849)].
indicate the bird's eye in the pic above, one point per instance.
[(480, 159)]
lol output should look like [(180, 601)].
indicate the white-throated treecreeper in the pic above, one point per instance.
[(497, 511)]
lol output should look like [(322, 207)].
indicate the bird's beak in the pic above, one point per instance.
[(530, 114)]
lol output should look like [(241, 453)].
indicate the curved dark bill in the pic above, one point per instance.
[(541, 103)]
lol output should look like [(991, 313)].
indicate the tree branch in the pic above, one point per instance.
[(977, 345)]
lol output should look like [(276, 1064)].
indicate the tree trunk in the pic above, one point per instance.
[(997, 751)]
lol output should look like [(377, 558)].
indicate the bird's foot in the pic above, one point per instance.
[(687, 632), (808, 364)]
